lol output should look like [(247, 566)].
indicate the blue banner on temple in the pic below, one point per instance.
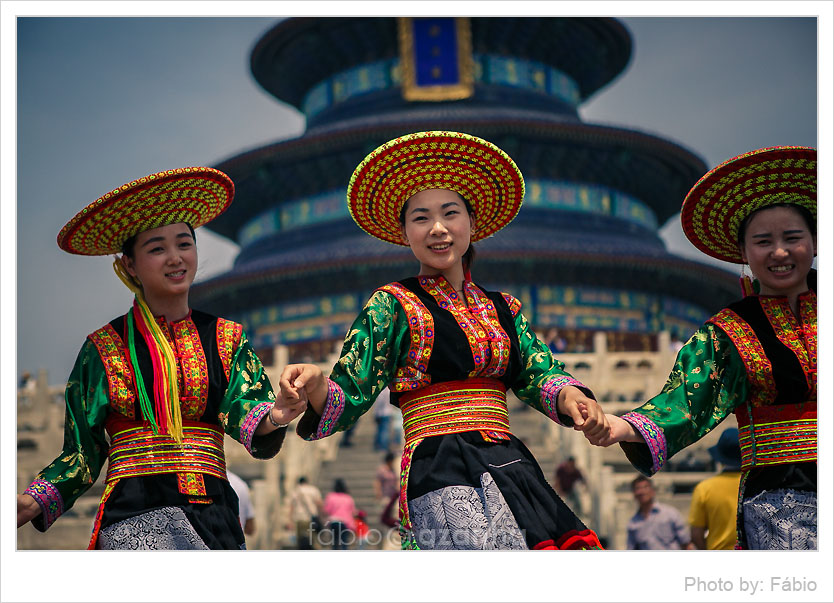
[(435, 51)]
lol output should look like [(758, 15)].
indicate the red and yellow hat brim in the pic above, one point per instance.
[(716, 206), (476, 169), (195, 195)]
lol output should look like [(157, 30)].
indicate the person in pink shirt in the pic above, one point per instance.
[(340, 513)]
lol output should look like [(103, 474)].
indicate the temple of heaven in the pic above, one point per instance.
[(583, 255)]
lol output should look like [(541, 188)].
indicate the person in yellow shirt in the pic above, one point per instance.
[(712, 513)]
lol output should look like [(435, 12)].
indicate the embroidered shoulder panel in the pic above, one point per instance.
[(421, 340), (759, 368), (513, 302), (194, 381), (119, 371), (229, 335), (799, 339)]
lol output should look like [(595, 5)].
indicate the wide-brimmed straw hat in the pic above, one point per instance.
[(476, 169), (195, 195), (720, 201)]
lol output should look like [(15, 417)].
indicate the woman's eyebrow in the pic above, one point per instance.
[(784, 232), (152, 240)]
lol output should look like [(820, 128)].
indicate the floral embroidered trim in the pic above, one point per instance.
[(193, 368), (421, 331), (191, 484), (250, 423), (48, 498), (334, 406), (808, 316), (108, 488), (653, 436), (489, 343), (119, 371), (407, 537), (447, 298), (748, 346), (499, 341), (787, 329), (513, 302), (550, 394), (229, 336)]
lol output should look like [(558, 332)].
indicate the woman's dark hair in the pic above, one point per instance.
[(128, 247), (339, 486), (801, 210), (469, 257)]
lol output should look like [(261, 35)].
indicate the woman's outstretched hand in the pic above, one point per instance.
[(586, 413)]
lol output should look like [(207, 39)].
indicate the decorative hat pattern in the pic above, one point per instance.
[(476, 169), (715, 207), (195, 195)]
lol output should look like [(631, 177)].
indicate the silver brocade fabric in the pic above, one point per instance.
[(465, 518), (161, 529), (781, 520)]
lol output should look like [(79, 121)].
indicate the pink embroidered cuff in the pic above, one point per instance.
[(50, 500), (550, 394), (334, 406), (654, 438), (250, 424)]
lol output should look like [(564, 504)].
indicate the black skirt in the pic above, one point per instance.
[(467, 493), (215, 522)]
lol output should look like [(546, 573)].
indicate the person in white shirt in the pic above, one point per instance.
[(246, 511)]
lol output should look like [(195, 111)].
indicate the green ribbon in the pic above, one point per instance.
[(144, 401)]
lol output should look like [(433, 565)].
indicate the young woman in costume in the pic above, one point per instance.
[(154, 391), (758, 356), (448, 350)]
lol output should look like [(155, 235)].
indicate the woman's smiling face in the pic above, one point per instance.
[(438, 229), (164, 260), (780, 249)]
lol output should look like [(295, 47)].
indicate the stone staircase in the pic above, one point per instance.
[(357, 465)]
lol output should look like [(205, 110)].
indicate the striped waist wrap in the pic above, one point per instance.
[(780, 434), (138, 451), (454, 407)]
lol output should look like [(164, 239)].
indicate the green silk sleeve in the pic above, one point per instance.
[(542, 376), (249, 397), (64, 480), (707, 383), (375, 345)]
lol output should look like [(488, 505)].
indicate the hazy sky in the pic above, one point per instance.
[(102, 101)]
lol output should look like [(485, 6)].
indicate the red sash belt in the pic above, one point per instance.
[(454, 407), (778, 434), (138, 451)]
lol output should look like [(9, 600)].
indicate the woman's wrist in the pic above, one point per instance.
[(624, 431), (273, 422)]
